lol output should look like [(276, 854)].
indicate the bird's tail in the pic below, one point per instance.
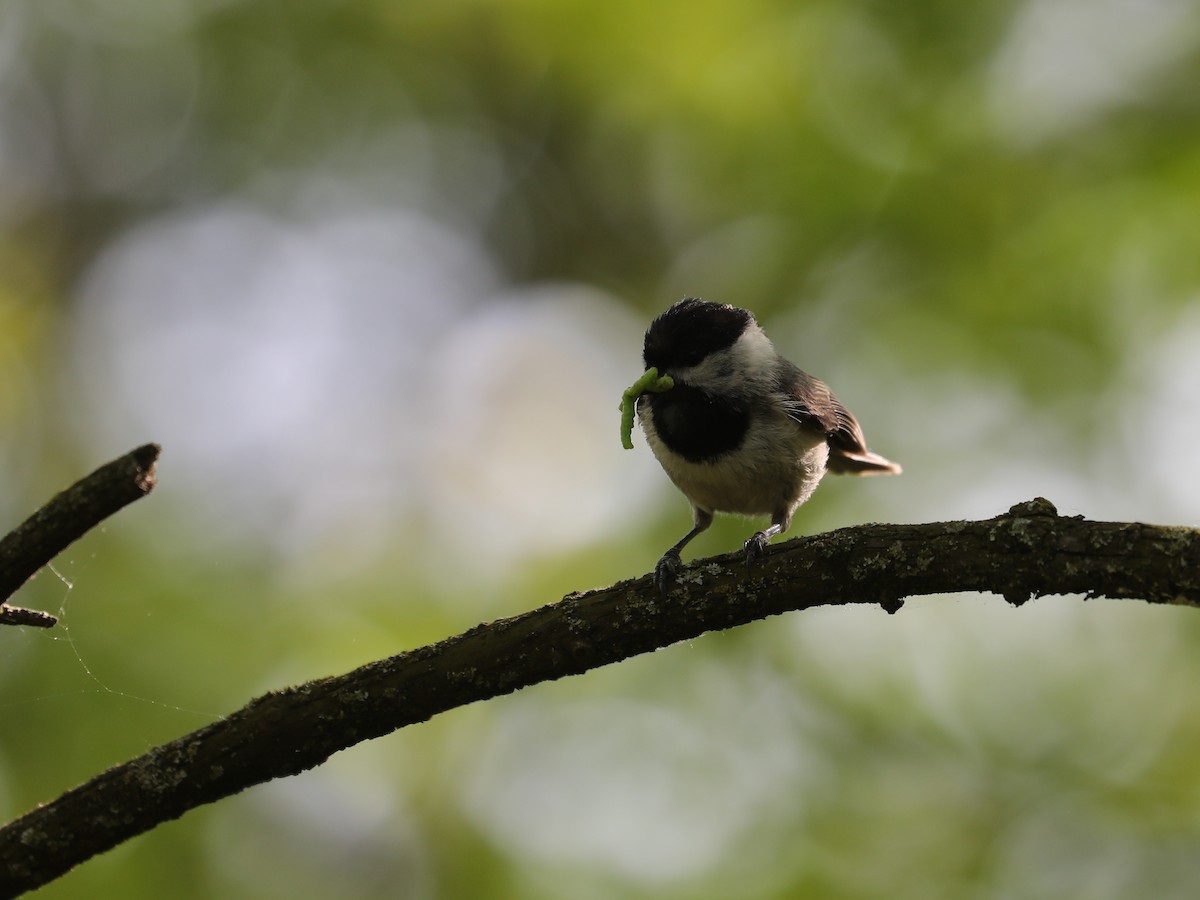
[(864, 462)]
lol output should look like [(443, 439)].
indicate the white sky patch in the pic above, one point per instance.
[(323, 388), (648, 792), (281, 365), (326, 822), (1067, 62), (524, 450), (1161, 422)]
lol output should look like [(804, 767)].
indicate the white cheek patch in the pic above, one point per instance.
[(755, 352), (750, 360)]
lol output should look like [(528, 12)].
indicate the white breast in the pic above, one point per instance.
[(775, 469)]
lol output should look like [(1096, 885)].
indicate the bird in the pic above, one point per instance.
[(737, 427)]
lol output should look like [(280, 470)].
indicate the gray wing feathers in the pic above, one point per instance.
[(812, 405)]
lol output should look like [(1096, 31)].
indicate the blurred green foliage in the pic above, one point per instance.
[(977, 221)]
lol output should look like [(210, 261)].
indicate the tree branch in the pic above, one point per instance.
[(66, 518), (1028, 551)]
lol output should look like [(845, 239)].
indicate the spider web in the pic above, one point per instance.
[(67, 632)]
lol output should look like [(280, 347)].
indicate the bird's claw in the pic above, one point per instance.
[(666, 570), (756, 547)]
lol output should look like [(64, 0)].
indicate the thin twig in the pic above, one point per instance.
[(1028, 551), (65, 519), (19, 615)]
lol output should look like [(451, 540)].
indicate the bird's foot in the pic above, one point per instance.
[(756, 547), (666, 570)]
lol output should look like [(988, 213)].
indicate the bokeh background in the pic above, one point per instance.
[(375, 274)]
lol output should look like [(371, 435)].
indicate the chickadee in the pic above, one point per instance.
[(742, 430)]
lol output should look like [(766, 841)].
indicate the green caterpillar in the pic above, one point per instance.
[(651, 383)]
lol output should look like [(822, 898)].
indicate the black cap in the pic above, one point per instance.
[(690, 330)]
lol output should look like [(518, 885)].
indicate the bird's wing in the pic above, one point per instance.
[(811, 404)]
